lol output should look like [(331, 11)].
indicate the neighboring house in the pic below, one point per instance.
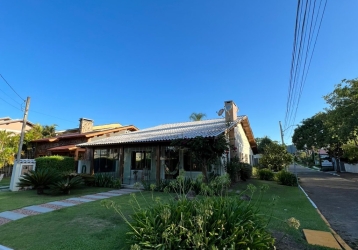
[(65, 142), (148, 155), (14, 125)]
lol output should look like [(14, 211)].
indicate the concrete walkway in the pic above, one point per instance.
[(335, 197), (17, 214)]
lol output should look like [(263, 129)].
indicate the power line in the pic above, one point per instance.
[(10, 97), (12, 88), (10, 104), (300, 53), (304, 76)]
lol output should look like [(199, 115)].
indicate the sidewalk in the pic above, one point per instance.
[(8, 216)]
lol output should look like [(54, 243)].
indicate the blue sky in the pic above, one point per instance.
[(153, 62)]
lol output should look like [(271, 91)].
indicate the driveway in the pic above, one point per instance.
[(336, 198)]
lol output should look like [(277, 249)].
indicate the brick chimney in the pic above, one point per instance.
[(230, 111), (86, 125)]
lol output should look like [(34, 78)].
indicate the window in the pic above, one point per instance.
[(141, 160), (171, 160), (105, 160), (188, 163)]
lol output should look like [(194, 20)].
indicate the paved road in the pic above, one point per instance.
[(336, 198)]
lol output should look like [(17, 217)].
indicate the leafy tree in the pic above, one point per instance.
[(8, 147), (276, 157), (197, 116), (204, 151), (343, 102), (262, 142), (312, 133), (49, 130), (350, 152)]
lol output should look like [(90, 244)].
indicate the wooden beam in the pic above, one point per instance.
[(158, 164), (121, 163)]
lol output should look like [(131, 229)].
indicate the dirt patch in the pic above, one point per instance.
[(284, 242)]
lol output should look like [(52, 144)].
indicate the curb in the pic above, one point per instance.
[(340, 241), (338, 238)]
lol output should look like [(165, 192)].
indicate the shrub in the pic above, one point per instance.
[(163, 183), (89, 180), (39, 179), (245, 171), (255, 170), (209, 223), (217, 186), (286, 178), (117, 183), (265, 174), (106, 180), (59, 163), (66, 184), (233, 168)]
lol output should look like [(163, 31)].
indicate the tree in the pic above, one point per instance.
[(8, 147), (197, 116), (276, 157), (312, 133), (49, 130), (204, 151), (343, 103), (262, 142)]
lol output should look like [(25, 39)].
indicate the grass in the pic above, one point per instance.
[(289, 202), (92, 226), (5, 181), (87, 226), (14, 200)]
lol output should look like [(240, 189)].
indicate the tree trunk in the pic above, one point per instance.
[(205, 173), (338, 165)]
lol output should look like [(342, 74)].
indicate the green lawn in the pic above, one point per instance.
[(291, 203), (87, 226), (92, 226), (5, 181), (13, 200)]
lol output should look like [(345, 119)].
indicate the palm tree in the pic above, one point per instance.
[(49, 131), (197, 116)]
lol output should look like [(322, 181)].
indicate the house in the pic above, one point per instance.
[(65, 142), (14, 125), (148, 155)]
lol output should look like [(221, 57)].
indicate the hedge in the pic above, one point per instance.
[(61, 163)]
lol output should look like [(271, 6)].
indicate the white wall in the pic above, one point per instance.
[(242, 143), (351, 168)]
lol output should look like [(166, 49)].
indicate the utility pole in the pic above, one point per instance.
[(23, 130), (281, 133), (16, 171)]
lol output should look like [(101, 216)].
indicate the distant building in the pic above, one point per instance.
[(65, 142), (14, 125), (291, 149)]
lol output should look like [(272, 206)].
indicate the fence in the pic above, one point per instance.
[(351, 168), (6, 170)]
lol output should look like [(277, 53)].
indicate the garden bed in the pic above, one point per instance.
[(92, 226)]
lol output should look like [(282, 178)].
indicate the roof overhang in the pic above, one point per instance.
[(66, 148), (168, 132), (249, 134)]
